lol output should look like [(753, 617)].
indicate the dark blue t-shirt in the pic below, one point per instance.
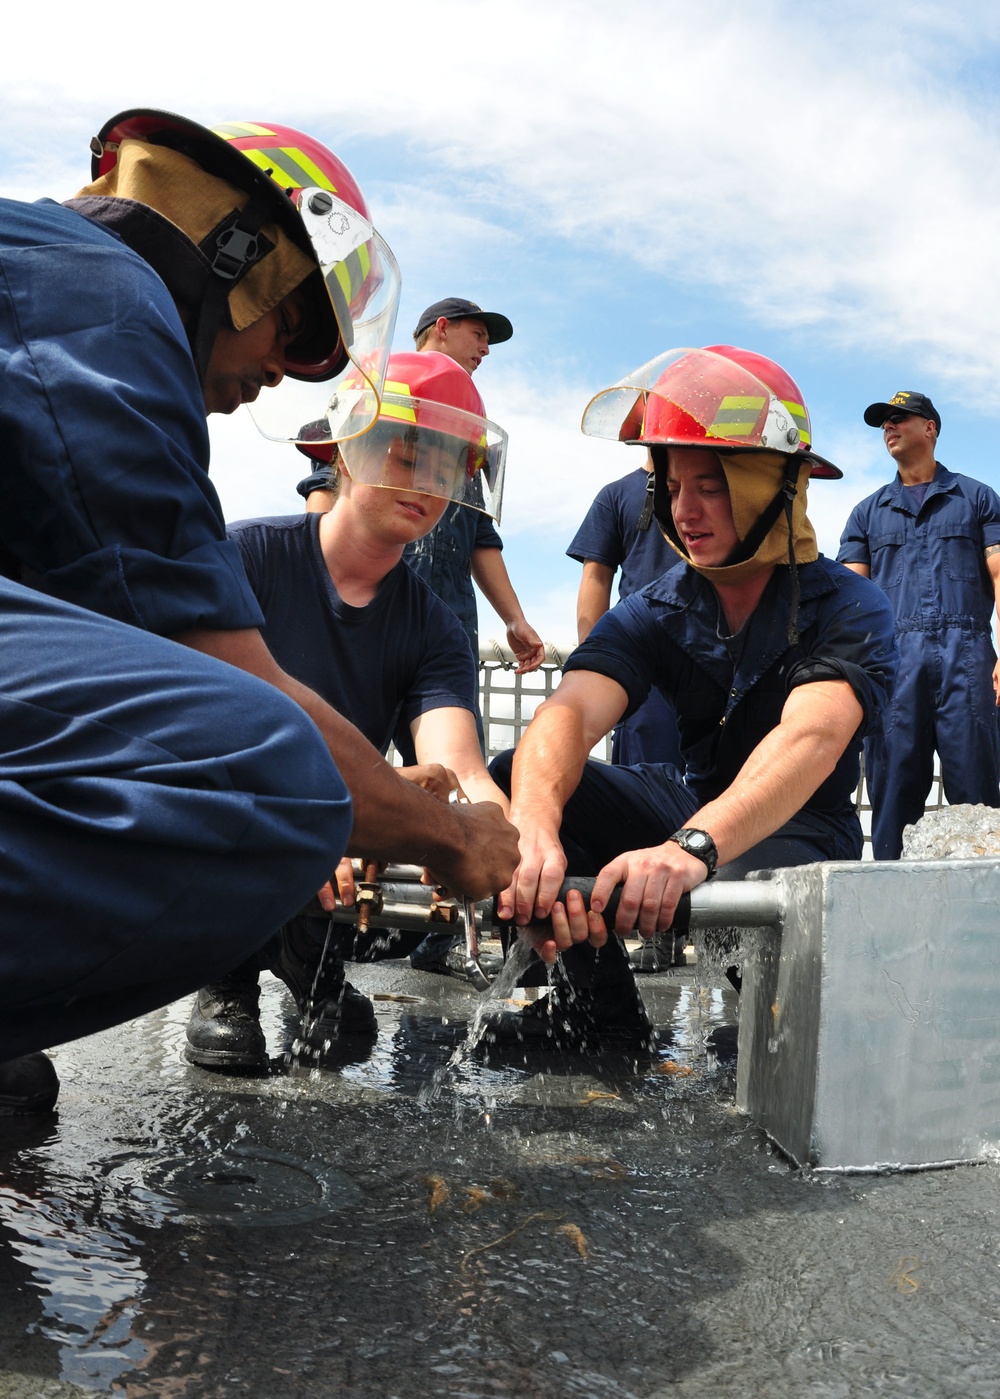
[(610, 534), (403, 653)]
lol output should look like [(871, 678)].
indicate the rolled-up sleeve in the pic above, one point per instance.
[(853, 641), (854, 547), (625, 647)]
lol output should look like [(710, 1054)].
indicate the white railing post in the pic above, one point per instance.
[(508, 701)]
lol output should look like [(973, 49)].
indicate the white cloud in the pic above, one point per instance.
[(796, 161), (553, 471), (800, 159), (252, 475)]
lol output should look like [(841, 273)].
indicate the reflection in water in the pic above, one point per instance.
[(89, 1281), (115, 1210)]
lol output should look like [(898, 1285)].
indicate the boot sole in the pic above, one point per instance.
[(226, 1059)]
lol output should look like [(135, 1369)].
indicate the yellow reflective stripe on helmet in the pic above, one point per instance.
[(353, 272), (343, 275), (290, 168), (736, 416), (478, 462), (396, 410), (400, 411), (232, 130), (801, 419)]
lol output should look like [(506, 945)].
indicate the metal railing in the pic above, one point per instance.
[(508, 701)]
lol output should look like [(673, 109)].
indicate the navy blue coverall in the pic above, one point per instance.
[(929, 561), (667, 635), (161, 813)]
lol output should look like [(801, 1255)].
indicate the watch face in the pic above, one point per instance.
[(700, 844), (697, 842)]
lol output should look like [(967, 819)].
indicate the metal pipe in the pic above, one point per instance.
[(411, 906), (726, 904), (410, 873), (408, 904), (754, 903)]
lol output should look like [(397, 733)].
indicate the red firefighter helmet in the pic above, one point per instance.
[(720, 397), (296, 162), (295, 182), (432, 417)]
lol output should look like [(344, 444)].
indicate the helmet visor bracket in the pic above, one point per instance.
[(361, 279)]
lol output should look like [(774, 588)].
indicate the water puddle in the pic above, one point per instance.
[(402, 1216), (174, 1231), (235, 1186)]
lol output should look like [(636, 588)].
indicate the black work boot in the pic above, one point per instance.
[(659, 953), (594, 1001), (446, 957), (28, 1085), (224, 1029), (329, 1005)]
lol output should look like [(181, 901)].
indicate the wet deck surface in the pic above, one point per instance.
[(394, 1227)]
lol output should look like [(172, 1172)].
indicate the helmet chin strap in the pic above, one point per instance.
[(788, 492), (233, 247)]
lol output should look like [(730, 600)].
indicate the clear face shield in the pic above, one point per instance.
[(362, 281), (692, 397), (431, 449)]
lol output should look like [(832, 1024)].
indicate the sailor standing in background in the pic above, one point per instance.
[(931, 541)]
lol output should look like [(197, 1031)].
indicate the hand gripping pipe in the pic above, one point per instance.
[(407, 903)]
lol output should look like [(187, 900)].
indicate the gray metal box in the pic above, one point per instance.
[(870, 1020)]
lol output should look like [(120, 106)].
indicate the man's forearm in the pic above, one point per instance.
[(392, 818), (548, 764), (785, 768), (448, 736), (594, 597), (992, 556), (490, 575)]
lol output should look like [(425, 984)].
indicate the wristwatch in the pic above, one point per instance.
[(699, 844)]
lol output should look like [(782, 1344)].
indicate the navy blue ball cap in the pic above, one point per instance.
[(903, 402), (498, 327)]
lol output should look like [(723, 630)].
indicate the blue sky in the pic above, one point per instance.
[(817, 182)]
